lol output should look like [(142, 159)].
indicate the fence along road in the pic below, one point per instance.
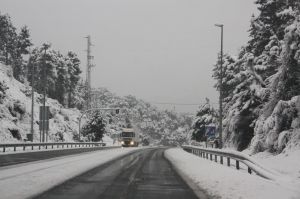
[(220, 155)]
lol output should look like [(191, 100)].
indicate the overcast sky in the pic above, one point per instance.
[(157, 50)]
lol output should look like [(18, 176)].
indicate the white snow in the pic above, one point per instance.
[(26, 180), (287, 163), (224, 182)]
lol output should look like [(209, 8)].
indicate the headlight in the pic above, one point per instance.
[(122, 142), (131, 143)]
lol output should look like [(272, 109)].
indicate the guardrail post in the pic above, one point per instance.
[(67, 145), (216, 158), (3, 149), (32, 147), (237, 164), (249, 170), (39, 147), (228, 161), (52, 146), (206, 155), (210, 155), (63, 145), (15, 148), (221, 159), (46, 146), (24, 146)]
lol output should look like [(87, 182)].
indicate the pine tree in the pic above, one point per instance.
[(205, 116), (23, 43), (8, 37), (73, 64), (62, 82), (13, 46), (95, 128), (229, 72)]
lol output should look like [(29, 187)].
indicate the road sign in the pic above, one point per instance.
[(44, 118), (210, 131)]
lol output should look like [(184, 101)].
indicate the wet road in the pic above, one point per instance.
[(144, 174), (18, 158)]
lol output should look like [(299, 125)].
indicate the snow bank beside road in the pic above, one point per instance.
[(287, 162), (224, 182), (27, 180)]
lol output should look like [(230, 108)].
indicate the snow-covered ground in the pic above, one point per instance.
[(26, 180), (15, 112), (225, 182), (287, 163)]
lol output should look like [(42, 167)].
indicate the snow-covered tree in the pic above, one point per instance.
[(94, 129), (265, 72), (13, 46), (205, 116)]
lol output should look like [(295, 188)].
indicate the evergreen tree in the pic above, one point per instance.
[(23, 43), (205, 116), (13, 46), (229, 72), (95, 128), (73, 64), (8, 37), (62, 82)]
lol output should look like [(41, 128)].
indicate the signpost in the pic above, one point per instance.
[(210, 131), (44, 123)]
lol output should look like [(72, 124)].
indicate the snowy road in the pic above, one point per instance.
[(22, 157), (30, 179), (142, 174)]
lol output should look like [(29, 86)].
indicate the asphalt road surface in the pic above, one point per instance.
[(18, 158), (144, 174)]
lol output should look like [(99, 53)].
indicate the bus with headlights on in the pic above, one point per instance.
[(129, 137)]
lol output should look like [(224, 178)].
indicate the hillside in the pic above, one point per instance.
[(261, 87), (157, 127), (15, 110)]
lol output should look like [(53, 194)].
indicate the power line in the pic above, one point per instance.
[(180, 104)]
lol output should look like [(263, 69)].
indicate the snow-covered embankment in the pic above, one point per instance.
[(220, 181)]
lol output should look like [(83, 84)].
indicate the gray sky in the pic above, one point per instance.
[(157, 50)]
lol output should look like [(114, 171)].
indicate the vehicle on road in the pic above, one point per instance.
[(129, 137)]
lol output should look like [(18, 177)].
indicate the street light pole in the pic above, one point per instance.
[(221, 88), (32, 97)]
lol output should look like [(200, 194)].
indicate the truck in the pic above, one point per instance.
[(129, 137)]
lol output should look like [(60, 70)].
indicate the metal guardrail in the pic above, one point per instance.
[(215, 154), (49, 145)]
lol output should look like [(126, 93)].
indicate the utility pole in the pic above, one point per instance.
[(221, 89), (44, 93), (32, 98), (88, 71)]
